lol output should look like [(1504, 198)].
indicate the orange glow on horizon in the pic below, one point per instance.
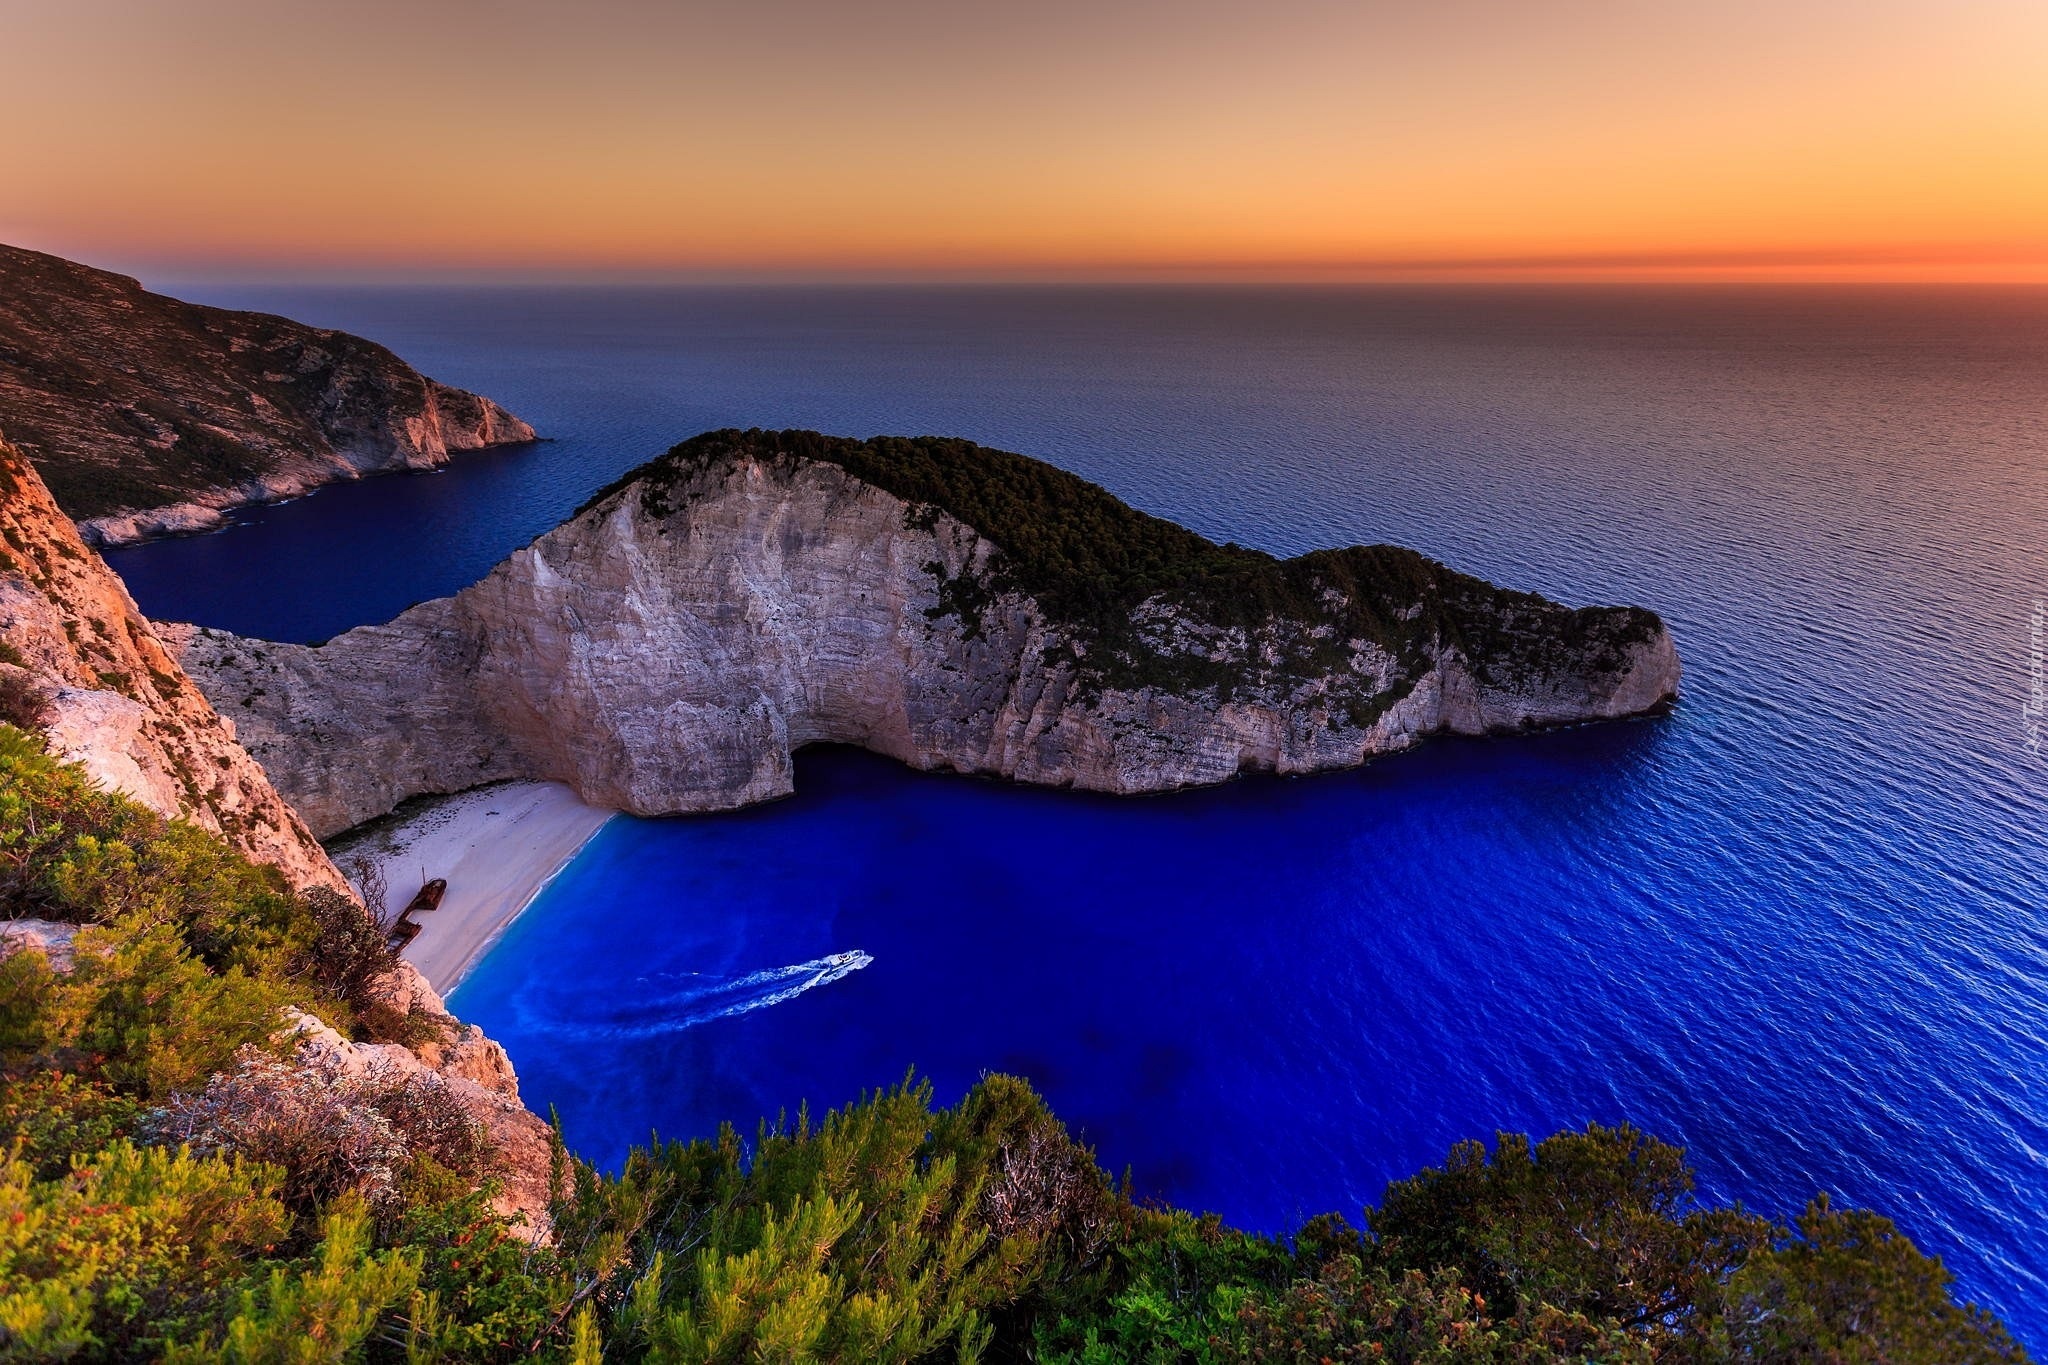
[(1304, 139)]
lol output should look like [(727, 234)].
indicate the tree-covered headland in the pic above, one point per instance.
[(1093, 564)]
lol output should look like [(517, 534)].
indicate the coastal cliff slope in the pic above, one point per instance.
[(962, 609), (150, 416), (80, 666), (116, 701)]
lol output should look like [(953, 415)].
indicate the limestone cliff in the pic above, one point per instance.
[(118, 703), (150, 416), (960, 609)]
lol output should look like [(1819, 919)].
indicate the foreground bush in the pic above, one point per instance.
[(187, 951), (131, 1246), (331, 1135)]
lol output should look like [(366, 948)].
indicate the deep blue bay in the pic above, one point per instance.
[(1799, 925)]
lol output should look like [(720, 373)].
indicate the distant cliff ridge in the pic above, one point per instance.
[(960, 609), (149, 416)]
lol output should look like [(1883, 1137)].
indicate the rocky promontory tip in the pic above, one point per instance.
[(149, 416), (962, 609)]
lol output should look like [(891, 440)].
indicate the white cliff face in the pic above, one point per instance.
[(668, 654), (392, 713)]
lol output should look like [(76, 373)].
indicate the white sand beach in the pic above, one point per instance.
[(497, 846)]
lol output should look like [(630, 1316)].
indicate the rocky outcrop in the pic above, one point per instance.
[(52, 939), (474, 1071), (478, 1077), (150, 416), (114, 700), (671, 646)]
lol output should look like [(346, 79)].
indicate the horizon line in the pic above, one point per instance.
[(1919, 264), (160, 277)]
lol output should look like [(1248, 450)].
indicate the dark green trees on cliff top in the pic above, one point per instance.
[(1090, 560)]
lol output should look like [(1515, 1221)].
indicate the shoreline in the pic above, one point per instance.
[(497, 846), (205, 515)]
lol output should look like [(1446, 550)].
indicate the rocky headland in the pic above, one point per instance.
[(150, 416), (672, 645)]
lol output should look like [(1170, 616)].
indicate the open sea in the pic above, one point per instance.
[(1799, 925)]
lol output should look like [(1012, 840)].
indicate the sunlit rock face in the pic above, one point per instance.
[(670, 647), (116, 700)]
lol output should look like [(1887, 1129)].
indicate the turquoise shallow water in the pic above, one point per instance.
[(1798, 924)]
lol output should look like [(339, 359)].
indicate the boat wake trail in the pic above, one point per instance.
[(699, 998)]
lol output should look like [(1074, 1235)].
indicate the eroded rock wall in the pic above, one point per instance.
[(667, 655)]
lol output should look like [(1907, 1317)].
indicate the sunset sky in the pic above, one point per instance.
[(1123, 139)]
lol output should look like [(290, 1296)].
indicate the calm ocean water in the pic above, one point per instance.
[(1800, 925)]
